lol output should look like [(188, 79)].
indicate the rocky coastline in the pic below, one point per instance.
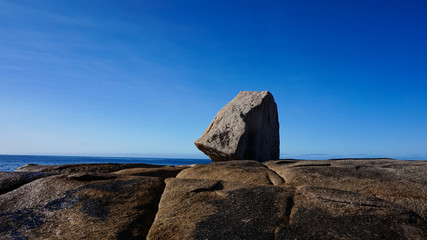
[(278, 199), (243, 194)]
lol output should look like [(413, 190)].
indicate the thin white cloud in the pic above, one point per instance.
[(16, 11)]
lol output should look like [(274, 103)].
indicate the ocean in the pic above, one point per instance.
[(9, 163)]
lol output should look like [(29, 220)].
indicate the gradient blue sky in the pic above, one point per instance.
[(147, 77)]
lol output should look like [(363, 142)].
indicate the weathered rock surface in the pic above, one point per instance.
[(78, 207), (279, 199), (246, 128), (163, 172), (401, 182), (226, 206), (234, 171), (12, 180), (324, 213), (209, 209)]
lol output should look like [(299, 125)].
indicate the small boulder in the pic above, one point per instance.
[(246, 128)]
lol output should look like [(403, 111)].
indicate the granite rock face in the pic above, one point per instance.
[(327, 213), (400, 182), (223, 201), (278, 199), (209, 209), (12, 180), (246, 128), (242, 171), (80, 207)]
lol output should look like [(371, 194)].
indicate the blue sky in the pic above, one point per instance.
[(145, 78)]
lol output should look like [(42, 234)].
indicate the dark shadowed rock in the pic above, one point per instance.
[(324, 213), (400, 182), (81, 206), (12, 180), (94, 167), (209, 209), (246, 128), (251, 172)]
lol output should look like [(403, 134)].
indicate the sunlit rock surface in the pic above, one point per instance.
[(247, 128), (278, 199)]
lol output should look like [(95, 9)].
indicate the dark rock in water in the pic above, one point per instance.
[(92, 167), (98, 169), (61, 207), (246, 128)]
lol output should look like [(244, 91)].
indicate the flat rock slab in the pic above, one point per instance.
[(246, 128), (243, 171), (81, 206), (209, 209), (401, 182), (163, 172), (324, 213)]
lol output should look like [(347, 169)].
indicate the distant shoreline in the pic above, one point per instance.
[(9, 163)]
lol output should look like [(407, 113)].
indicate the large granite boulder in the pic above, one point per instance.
[(246, 128), (81, 206)]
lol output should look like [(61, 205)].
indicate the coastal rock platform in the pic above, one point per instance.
[(278, 199)]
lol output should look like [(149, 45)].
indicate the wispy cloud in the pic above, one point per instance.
[(17, 11)]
